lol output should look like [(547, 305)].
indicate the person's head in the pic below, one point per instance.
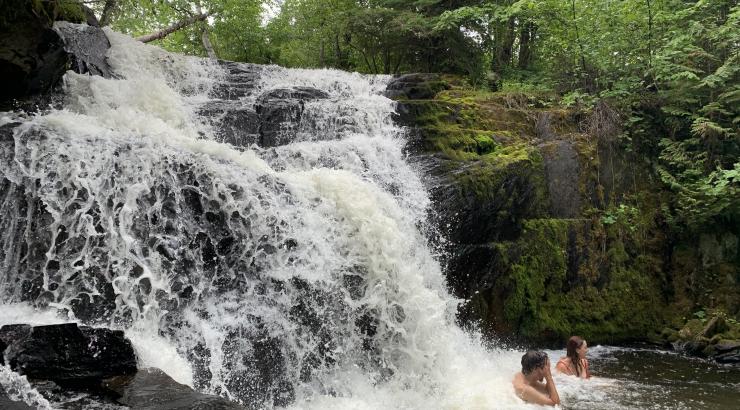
[(533, 363), (576, 349)]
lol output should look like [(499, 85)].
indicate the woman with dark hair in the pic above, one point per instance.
[(574, 363)]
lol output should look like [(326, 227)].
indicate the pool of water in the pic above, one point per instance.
[(636, 378)]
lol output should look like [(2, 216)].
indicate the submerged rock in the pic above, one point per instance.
[(153, 389), (67, 353)]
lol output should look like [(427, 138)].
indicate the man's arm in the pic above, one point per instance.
[(551, 390), (531, 395)]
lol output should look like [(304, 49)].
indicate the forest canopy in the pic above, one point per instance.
[(670, 67)]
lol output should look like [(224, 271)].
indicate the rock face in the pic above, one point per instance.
[(152, 389), (92, 367), (552, 227), (32, 54), (86, 47), (280, 113), (67, 353), (417, 86)]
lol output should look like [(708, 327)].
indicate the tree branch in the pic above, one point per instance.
[(171, 29)]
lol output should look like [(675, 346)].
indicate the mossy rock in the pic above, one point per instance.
[(556, 288)]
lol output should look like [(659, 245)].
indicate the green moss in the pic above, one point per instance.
[(606, 276), (550, 298), (69, 10)]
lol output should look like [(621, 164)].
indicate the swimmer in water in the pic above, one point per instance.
[(574, 363), (528, 384)]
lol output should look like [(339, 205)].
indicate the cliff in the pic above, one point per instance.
[(554, 226)]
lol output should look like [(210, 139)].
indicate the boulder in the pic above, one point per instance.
[(235, 125), (152, 389), (417, 86), (32, 56), (280, 113), (67, 353), (86, 47)]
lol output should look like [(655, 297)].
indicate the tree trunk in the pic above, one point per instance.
[(503, 45), (526, 36), (108, 8), (171, 29), (321, 54), (207, 44), (578, 36), (338, 52)]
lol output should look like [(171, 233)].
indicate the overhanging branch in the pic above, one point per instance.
[(171, 29)]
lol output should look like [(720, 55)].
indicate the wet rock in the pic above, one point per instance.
[(86, 46), (152, 389), (67, 353), (562, 173), (417, 86), (235, 125), (32, 56), (239, 82), (280, 113)]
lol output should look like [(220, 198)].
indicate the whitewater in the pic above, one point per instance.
[(299, 276)]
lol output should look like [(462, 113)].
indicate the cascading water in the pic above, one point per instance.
[(293, 274)]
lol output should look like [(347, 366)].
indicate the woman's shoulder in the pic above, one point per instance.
[(563, 365)]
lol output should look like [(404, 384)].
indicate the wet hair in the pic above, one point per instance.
[(571, 350), (533, 360)]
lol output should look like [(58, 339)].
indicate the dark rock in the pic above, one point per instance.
[(732, 357), (153, 389), (67, 353), (32, 56), (418, 86), (35, 52), (489, 208), (235, 125), (724, 346), (239, 82), (280, 112), (86, 46), (562, 173)]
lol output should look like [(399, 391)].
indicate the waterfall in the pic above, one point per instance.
[(269, 250)]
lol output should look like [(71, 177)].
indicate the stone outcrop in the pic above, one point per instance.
[(152, 389), (33, 55), (415, 86), (716, 337), (92, 367), (553, 227), (67, 353), (280, 112)]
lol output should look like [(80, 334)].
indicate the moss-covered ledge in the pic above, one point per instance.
[(553, 228)]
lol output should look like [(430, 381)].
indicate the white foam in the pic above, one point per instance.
[(17, 388)]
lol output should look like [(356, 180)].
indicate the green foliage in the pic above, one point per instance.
[(698, 71)]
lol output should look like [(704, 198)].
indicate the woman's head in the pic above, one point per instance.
[(576, 349)]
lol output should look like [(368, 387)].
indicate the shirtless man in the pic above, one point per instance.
[(528, 383)]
